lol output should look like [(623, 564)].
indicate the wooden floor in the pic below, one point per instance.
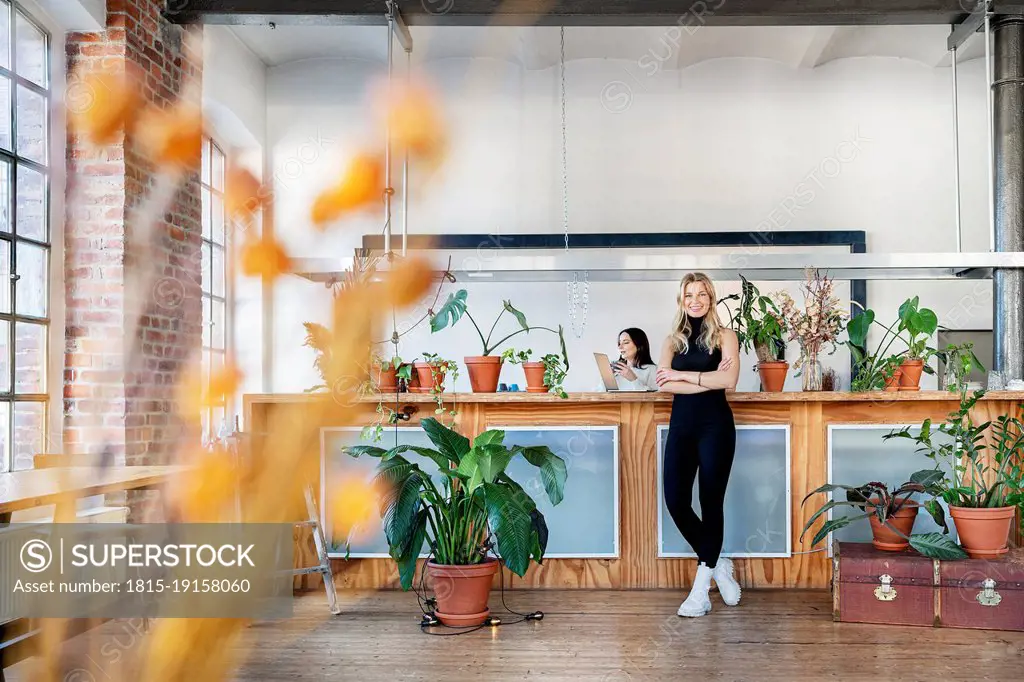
[(610, 636)]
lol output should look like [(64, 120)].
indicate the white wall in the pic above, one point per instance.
[(235, 107), (728, 144)]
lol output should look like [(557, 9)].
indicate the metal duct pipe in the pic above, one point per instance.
[(1008, 168)]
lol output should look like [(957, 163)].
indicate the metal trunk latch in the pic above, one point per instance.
[(885, 591), (988, 595)]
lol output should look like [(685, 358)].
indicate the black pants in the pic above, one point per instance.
[(704, 450)]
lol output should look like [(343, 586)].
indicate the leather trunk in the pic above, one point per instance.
[(905, 588)]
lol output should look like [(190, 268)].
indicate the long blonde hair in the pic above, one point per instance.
[(711, 332)]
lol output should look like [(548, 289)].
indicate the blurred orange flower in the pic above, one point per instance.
[(102, 105), (409, 281), (264, 258), (362, 184), (416, 124), (194, 397), (355, 503), (207, 488), (173, 136), (243, 193)]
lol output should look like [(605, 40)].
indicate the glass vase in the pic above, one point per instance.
[(810, 369)]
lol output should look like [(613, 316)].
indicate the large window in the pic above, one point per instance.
[(24, 236), (215, 289)]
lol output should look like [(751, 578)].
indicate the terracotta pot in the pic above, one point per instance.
[(892, 384), (910, 380), (386, 378), (534, 372), (773, 375), (462, 591), (983, 532), (484, 372), (430, 378), (884, 538)]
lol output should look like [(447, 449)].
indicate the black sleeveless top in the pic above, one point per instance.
[(697, 359)]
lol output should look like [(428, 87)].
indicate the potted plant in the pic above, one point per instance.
[(892, 514), (919, 324), (960, 361), (815, 326), (761, 327), (485, 370), (543, 376), (465, 511), (387, 373), (879, 370), (431, 373), (983, 494)]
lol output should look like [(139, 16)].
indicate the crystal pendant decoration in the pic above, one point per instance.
[(578, 294)]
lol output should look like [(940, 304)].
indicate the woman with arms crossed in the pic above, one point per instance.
[(699, 363)]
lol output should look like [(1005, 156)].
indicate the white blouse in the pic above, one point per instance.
[(646, 378)]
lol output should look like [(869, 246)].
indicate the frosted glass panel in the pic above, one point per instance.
[(859, 455), (368, 540), (585, 523), (757, 508)]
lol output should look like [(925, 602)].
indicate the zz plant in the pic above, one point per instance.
[(469, 506)]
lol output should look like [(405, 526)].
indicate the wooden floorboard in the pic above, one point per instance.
[(609, 636)]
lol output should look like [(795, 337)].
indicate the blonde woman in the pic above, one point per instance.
[(699, 363)]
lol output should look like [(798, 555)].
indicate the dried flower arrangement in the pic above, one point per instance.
[(817, 325)]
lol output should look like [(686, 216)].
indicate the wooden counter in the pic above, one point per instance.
[(637, 417)]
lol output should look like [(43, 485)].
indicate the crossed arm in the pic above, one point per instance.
[(725, 377)]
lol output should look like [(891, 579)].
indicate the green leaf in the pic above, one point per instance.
[(509, 518), (830, 488), (858, 327), (401, 505), (561, 342), (937, 546), (540, 535), (451, 443), (908, 308), (519, 316), (490, 437), (411, 551), (937, 513), (484, 462), (836, 524), (552, 469), (927, 477), (443, 462), (449, 313), (927, 322), (368, 450)]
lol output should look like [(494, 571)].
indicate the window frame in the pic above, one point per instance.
[(14, 160)]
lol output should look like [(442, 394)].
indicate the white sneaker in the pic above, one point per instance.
[(698, 603), (725, 579)]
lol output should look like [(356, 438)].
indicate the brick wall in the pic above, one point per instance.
[(130, 410)]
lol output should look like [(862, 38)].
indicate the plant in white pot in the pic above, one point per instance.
[(465, 511)]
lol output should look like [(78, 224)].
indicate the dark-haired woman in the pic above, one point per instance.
[(635, 370)]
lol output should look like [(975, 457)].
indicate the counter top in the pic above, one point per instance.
[(624, 397)]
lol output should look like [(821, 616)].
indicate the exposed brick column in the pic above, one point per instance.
[(129, 412)]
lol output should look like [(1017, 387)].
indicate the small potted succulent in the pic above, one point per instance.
[(485, 370), (465, 509)]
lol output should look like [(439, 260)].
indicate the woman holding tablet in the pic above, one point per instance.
[(635, 370), (699, 363)]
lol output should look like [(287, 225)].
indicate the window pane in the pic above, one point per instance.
[(218, 170), (5, 358), (205, 268), (207, 317), (218, 219), (29, 428), (206, 162), (206, 213), (218, 325), (29, 358), (5, 277), (5, 435), (218, 271), (5, 35), (5, 196), (5, 113), (31, 125), (31, 51), (31, 204), (32, 285)]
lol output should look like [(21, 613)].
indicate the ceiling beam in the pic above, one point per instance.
[(577, 12)]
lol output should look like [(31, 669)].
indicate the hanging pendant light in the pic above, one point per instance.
[(578, 290)]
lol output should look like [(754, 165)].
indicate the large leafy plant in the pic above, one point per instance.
[(470, 505), (455, 308), (919, 324), (875, 499), (759, 324), (912, 328)]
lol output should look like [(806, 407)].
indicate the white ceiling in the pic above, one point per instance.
[(538, 47)]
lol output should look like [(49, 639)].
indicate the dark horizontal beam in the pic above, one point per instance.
[(691, 13), (855, 239)]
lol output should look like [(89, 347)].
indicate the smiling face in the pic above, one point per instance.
[(626, 347), (696, 299)]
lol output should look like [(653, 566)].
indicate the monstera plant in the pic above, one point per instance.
[(465, 511)]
